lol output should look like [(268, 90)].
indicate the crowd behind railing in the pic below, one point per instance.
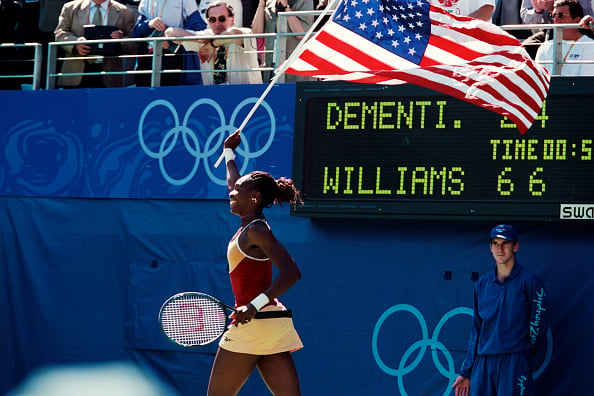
[(107, 43)]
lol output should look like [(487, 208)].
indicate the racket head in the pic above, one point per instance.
[(192, 319)]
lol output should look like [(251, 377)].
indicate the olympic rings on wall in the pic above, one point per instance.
[(421, 345), (213, 145)]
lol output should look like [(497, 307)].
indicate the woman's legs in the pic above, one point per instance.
[(229, 372), (279, 373)]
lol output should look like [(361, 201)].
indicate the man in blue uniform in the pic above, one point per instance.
[(510, 305)]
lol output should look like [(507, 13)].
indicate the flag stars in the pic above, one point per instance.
[(397, 25)]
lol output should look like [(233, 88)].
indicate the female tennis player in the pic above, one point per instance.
[(263, 343)]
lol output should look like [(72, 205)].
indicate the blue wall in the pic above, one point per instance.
[(92, 243)]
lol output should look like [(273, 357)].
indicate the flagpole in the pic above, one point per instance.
[(279, 72)]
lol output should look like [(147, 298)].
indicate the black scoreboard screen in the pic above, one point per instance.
[(408, 152)]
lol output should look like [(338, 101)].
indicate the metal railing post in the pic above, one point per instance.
[(37, 67), (558, 50), (52, 55), (280, 44), (157, 62)]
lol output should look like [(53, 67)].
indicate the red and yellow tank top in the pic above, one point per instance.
[(250, 276)]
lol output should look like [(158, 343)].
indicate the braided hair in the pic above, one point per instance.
[(274, 191)]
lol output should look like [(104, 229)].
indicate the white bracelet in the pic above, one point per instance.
[(229, 154), (260, 301)]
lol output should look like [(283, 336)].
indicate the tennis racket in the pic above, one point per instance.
[(192, 319)]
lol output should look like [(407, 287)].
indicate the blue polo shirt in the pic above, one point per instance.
[(509, 316)]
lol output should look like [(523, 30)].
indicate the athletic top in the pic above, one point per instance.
[(509, 316), (250, 276)]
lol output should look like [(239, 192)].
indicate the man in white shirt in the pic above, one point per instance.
[(575, 47), (222, 53), (540, 11)]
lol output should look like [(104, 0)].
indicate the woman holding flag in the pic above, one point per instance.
[(263, 343)]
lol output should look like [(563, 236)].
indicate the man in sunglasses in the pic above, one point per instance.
[(576, 46), (541, 12), (232, 60)]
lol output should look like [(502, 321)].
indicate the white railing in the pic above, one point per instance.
[(279, 53), (157, 55), (35, 76)]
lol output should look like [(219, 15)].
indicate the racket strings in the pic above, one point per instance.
[(193, 320)]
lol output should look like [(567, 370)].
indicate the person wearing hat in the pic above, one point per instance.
[(509, 322)]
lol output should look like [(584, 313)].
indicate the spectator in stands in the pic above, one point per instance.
[(265, 21), (576, 46), (237, 11), (223, 53), (155, 16), (73, 17), (540, 11), (479, 9)]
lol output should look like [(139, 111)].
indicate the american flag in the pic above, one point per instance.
[(412, 41)]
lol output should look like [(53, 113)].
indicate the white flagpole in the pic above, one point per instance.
[(280, 70)]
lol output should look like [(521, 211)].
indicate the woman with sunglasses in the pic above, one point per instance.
[(237, 55), (263, 343)]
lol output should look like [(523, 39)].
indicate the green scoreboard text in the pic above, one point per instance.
[(404, 151)]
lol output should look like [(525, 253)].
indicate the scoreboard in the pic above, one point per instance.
[(405, 151)]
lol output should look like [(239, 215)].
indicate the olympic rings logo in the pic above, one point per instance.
[(433, 342), (213, 146)]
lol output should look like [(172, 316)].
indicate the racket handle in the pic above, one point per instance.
[(221, 158)]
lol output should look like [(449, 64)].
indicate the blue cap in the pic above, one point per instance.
[(504, 231)]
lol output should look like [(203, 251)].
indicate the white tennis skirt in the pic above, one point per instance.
[(262, 336)]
